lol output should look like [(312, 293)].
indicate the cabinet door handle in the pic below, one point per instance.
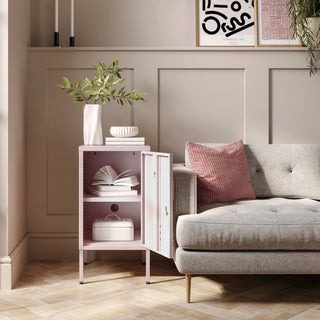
[(166, 209)]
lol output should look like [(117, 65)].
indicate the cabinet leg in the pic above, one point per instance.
[(81, 266), (85, 257), (147, 266)]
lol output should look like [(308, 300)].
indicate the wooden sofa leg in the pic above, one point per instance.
[(188, 286)]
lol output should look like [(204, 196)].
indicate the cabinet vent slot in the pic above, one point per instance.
[(85, 173)]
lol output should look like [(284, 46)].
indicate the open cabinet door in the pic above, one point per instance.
[(157, 202)]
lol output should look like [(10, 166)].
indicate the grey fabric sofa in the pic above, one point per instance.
[(277, 233)]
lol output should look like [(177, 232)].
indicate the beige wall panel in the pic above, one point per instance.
[(295, 111), (38, 129), (117, 23), (64, 121), (200, 106)]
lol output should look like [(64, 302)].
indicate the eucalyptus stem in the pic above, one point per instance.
[(102, 88)]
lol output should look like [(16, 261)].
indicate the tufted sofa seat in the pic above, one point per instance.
[(279, 232), (276, 223)]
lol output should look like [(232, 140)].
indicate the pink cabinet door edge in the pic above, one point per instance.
[(157, 202)]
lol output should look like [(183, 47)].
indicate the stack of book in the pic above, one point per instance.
[(111, 141), (107, 183)]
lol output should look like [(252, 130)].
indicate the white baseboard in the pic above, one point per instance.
[(53, 245), (5, 273), (13, 265), (19, 259)]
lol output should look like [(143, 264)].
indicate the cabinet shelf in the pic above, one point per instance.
[(89, 244), (92, 198)]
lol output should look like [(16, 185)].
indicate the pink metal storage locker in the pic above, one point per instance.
[(151, 209)]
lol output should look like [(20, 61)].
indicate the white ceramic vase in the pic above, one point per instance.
[(92, 129)]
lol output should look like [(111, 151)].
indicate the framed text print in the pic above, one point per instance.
[(225, 23), (273, 24)]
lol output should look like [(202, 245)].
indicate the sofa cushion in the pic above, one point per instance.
[(222, 172), (264, 224), (282, 170)]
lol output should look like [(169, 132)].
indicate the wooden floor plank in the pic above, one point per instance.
[(117, 290), (310, 314)]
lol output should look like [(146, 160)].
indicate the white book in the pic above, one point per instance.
[(107, 187), (107, 176), (118, 193), (121, 143), (115, 139)]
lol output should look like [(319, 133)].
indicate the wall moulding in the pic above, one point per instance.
[(295, 100)]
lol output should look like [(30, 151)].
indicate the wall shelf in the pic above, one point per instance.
[(162, 49)]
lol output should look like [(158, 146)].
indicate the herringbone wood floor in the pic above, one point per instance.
[(117, 290)]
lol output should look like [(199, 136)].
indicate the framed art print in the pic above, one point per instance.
[(273, 24), (225, 23)]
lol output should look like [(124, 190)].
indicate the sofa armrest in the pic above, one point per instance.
[(185, 195), (185, 190)]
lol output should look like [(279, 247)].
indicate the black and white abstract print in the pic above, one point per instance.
[(226, 23)]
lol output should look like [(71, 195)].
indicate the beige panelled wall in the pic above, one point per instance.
[(100, 23), (260, 95)]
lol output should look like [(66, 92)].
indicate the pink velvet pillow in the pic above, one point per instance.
[(222, 172)]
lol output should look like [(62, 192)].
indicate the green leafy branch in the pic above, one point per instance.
[(301, 11), (102, 88)]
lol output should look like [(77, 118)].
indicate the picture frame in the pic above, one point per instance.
[(225, 23), (273, 24)]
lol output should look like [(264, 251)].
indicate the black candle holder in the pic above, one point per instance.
[(56, 39), (71, 41)]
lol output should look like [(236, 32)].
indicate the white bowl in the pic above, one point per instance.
[(124, 132)]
